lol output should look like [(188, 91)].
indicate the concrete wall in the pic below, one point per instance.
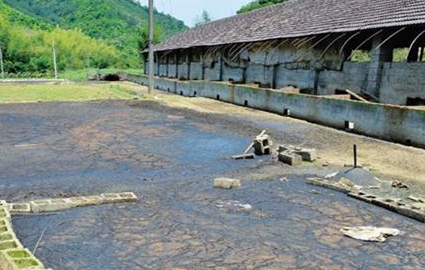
[(317, 69), (258, 73), (353, 77), (196, 71), (402, 80), (163, 70), (301, 78), (233, 73), (172, 69), (389, 122), (183, 71)]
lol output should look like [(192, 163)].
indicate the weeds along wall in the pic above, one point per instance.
[(388, 122)]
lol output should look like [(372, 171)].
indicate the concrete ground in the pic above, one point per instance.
[(168, 149)]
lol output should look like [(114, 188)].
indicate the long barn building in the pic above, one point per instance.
[(373, 48)]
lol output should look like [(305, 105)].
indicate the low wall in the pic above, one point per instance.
[(389, 122)]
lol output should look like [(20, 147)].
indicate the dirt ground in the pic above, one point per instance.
[(387, 160), (168, 149)]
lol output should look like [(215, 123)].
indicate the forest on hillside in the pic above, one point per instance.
[(87, 34), (119, 22), (28, 50)]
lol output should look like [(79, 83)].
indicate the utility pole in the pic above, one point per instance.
[(1, 62), (151, 56), (54, 59)]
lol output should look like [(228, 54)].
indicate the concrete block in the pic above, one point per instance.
[(52, 205), (12, 244), (412, 213), (262, 145), (19, 259), (307, 154), (226, 183), (244, 156), (290, 158), (329, 184), (19, 208), (128, 197), (8, 238), (362, 196), (4, 212), (110, 197), (284, 148), (93, 200)]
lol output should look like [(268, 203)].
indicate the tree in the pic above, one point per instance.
[(203, 19), (258, 4), (143, 36)]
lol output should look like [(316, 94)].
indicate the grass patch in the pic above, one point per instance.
[(22, 93)]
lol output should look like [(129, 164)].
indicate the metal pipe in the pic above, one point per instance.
[(391, 36), (330, 45), (318, 42), (305, 41), (414, 41), (364, 42), (348, 40)]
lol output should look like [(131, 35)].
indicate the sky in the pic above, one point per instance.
[(189, 10)]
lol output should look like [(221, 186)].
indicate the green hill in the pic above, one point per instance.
[(117, 21), (17, 18), (258, 4), (26, 44)]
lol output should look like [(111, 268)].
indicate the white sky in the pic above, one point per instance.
[(189, 10)]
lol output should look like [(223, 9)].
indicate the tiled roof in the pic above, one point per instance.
[(297, 18)]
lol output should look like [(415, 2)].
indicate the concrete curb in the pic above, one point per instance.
[(54, 205), (394, 205)]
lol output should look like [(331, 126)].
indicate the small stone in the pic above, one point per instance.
[(226, 183), (398, 184), (290, 159)]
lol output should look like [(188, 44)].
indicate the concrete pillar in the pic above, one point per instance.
[(145, 65), (274, 76), (188, 64), (157, 65), (203, 67), (220, 64), (177, 64), (378, 57), (166, 65)]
